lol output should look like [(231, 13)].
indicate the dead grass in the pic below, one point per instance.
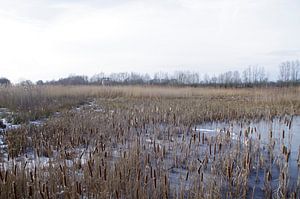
[(141, 142)]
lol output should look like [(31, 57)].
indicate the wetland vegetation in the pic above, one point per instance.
[(149, 142)]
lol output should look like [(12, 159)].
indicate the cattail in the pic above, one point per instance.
[(117, 194), (42, 195), (148, 159), (47, 192), (288, 155), (15, 190), (31, 176), (65, 179), (15, 170), (201, 178), (61, 169), (228, 133), (44, 187), (90, 169), (215, 149), (35, 173), (298, 159), (268, 176), (174, 118), (1, 177), (30, 192), (228, 171), (25, 165), (154, 179), (100, 172), (283, 176), (284, 150), (146, 179), (139, 175), (187, 176), (205, 162)]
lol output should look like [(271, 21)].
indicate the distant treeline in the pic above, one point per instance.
[(253, 76)]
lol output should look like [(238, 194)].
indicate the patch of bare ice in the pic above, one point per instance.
[(37, 122), (206, 130)]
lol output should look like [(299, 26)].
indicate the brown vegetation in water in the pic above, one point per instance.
[(141, 142)]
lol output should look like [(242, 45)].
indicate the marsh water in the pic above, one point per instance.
[(276, 132)]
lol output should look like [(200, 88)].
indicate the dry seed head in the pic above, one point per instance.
[(187, 176), (284, 150), (290, 124), (268, 176), (287, 156)]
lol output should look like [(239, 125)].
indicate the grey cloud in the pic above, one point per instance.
[(146, 35), (286, 52)]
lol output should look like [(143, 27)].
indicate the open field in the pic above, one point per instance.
[(149, 142)]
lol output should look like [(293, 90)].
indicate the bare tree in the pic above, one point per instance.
[(206, 79), (247, 75), (236, 77), (214, 80), (262, 77), (255, 74), (295, 70), (285, 72)]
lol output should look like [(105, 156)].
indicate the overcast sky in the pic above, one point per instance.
[(48, 39)]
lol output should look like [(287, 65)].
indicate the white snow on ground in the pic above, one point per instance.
[(32, 159), (9, 125), (37, 122)]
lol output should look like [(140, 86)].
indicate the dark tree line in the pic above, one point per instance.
[(4, 81), (289, 74)]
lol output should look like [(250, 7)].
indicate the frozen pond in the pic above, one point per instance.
[(276, 133), (182, 152)]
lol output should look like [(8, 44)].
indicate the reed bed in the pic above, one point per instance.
[(144, 142)]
